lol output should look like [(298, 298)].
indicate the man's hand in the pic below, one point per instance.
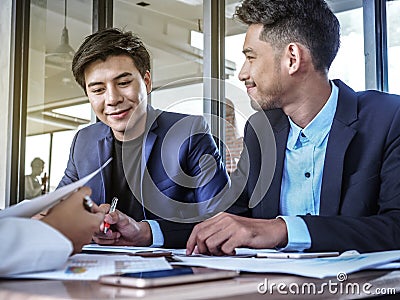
[(221, 234), (124, 231), (74, 221)]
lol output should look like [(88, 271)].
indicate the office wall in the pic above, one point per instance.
[(5, 103)]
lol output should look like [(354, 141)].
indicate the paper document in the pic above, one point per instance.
[(240, 252), (273, 253), (29, 208), (310, 267), (297, 255), (389, 266), (128, 249), (91, 266)]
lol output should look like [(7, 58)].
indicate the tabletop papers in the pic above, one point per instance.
[(309, 267), (91, 266)]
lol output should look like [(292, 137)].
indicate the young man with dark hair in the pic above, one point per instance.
[(163, 163)]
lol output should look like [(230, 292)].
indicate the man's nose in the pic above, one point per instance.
[(113, 96), (243, 74)]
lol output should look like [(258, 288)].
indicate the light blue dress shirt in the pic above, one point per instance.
[(158, 237), (302, 173)]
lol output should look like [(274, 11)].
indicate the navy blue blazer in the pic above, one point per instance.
[(180, 162), (360, 192)]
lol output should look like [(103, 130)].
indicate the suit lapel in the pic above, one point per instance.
[(105, 150), (148, 142), (340, 136), (280, 127)]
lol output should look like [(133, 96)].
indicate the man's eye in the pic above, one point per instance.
[(125, 83), (97, 91)]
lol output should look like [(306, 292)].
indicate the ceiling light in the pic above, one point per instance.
[(64, 50), (192, 2), (143, 4)]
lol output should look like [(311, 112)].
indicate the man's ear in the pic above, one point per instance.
[(293, 57), (147, 82)]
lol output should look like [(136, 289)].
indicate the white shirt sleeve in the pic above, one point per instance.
[(29, 245)]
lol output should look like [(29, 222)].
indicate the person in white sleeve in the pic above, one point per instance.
[(30, 245)]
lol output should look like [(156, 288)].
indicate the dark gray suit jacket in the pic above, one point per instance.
[(360, 193)]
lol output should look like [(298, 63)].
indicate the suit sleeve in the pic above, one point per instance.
[(175, 234), (205, 161), (30, 245), (240, 188), (212, 180)]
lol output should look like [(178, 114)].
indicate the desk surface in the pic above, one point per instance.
[(374, 282)]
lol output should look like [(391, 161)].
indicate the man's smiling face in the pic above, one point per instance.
[(117, 91)]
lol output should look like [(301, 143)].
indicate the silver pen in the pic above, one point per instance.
[(114, 202)]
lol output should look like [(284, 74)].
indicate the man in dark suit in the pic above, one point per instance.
[(336, 185), (165, 165)]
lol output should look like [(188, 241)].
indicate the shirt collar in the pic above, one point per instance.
[(317, 130)]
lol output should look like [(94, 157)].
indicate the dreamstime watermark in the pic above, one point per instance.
[(339, 286)]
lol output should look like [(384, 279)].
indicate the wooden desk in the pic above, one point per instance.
[(244, 286)]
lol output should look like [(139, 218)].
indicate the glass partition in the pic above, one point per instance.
[(56, 105), (177, 65), (349, 64)]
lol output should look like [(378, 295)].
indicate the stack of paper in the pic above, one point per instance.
[(310, 267)]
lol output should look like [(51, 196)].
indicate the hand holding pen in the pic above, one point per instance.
[(114, 202), (125, 232)]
